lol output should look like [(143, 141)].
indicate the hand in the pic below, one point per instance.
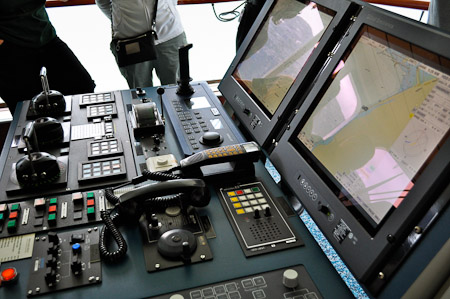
[(1, 41)]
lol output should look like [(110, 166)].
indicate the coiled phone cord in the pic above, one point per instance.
[(109, 219)]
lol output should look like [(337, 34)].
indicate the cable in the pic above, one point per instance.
[(108, 229), (234, 13)]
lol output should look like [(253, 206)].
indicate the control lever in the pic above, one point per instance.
[(160, 91), (184, 87), (48, 102)]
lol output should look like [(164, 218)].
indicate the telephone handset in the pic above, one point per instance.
[(248, 152), (171, 191)]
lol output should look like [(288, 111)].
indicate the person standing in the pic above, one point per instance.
[(439, 14), (28, 41), (132, 18)]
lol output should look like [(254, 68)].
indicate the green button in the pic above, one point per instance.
[(90, 195), (255, 189), (15, 207), (91, 210), (51, 216), (2, 216), (11, 223), (53, 201)]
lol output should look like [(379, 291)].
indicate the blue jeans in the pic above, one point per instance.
[(166, 65)]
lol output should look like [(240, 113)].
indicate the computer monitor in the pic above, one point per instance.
[(368, 153), (282, 54)]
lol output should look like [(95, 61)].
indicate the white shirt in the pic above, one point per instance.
[(134, 17)]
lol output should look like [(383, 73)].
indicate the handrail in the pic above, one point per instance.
[(57, 3), (417, 4)]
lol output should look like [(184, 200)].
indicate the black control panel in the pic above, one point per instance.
[(290, 283), (185, 234), (63, 261), (200, 121)]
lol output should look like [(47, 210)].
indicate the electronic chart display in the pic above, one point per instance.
[(270, 65), (282, 55), (368, 152), (374, 139)]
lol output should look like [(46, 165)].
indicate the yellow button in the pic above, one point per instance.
[(237, 205), (234, 199), (240, 211), (231, 193)]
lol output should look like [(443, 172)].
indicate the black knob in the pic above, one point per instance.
[(322, 208), (154, 222), (52, 248), (267, 212), (257, 214), (211, 138), (160, 91), (50, 276), (53, 238), (75, 265), (51, 261)]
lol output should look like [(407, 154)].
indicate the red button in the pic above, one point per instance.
[(90, 202), (51, 209), (9, 274), (239, 192), (13, 215)]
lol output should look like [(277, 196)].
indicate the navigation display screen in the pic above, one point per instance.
[(384, 115), (271, 64)]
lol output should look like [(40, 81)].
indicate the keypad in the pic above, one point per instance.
[(224, 151), (96, 98), (101, 110), (104, 148), (247, 200), (101, 168)]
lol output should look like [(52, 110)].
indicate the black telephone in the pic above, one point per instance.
[(129, 207), (172, 190)]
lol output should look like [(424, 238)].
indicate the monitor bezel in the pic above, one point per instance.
[(366, 256), (245, 108)]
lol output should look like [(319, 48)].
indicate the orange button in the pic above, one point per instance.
[(8, 274), (13, 215), (51, 209), (90, 202)]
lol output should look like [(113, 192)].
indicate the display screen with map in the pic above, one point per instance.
[(381, 119), (279, 50)]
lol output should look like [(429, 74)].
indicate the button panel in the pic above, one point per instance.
[(51, 212), (256, 219)]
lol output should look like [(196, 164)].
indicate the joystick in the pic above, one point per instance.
[(48, 131), (36, 168), (48, 102), (184, 87), (177, 244)]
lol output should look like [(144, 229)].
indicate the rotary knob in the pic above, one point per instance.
[(290, 278)]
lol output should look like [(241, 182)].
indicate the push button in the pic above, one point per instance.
[(9, 276)]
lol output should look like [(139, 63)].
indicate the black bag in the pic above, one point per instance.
[(135, 49), (139, 48)]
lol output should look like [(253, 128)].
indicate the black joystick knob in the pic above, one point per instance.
[(177, 244), (37, 168), (211, 138), (184, 87), (53, 238), (257, 214), (48, 131), (48, 102), (50, 276)]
